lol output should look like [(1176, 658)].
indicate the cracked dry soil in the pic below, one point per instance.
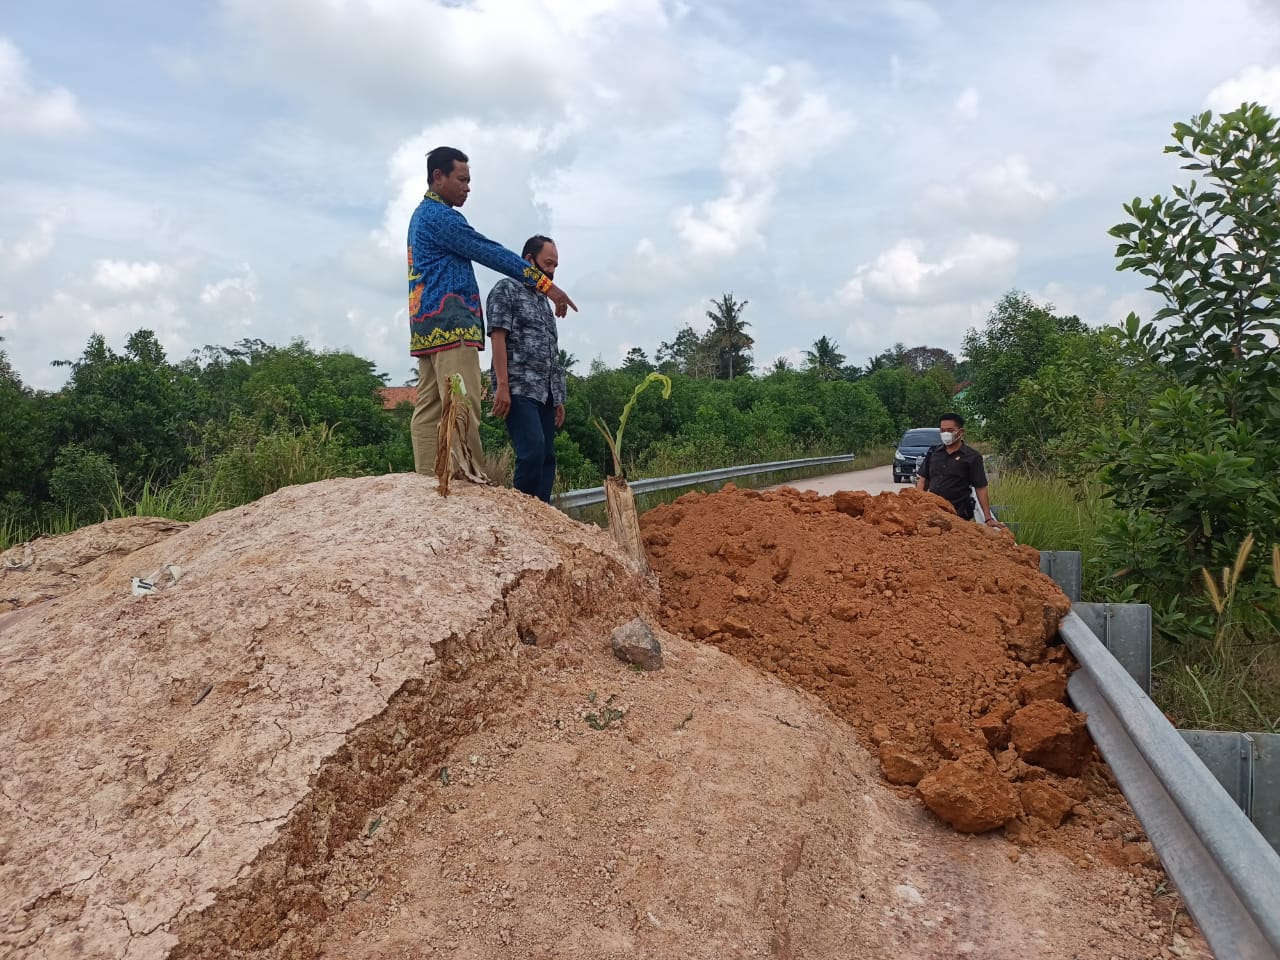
[(371, 723)]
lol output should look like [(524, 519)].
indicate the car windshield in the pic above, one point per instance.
[(921, 438)]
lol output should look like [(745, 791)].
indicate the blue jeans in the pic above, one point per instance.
[(532, 426)]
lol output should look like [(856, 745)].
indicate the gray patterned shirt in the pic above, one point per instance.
[(533, 349)]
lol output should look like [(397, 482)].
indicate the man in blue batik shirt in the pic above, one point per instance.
[(446, 326), (529, 381)]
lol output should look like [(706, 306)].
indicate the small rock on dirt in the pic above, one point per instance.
[(900, 765), (634, 642), (951, 740), (1044, 682), (1045, 802)]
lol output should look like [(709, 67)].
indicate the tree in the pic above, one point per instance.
[(825, 359), (24, 449), (679, 354), (1212, 251), (779, 366), (891, 359), (567, 362), (923, 359), (637, 363), (1021, 337), (1197, 470), (129, 408), (728, 336), (1092, 383)]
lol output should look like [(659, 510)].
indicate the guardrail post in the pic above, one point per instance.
[(1265, 793), (1229, 757), (1125, 630), (1065, 568)]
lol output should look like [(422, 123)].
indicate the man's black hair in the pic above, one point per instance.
[(443, 159), (533, 246), (953, 417)]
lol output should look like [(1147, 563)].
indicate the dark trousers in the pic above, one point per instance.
[(532, 426)]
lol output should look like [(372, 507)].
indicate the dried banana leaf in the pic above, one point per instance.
[(454, 456)]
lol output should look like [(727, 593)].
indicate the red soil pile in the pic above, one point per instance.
[(930, 635)]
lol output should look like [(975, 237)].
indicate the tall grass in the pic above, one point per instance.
[(1052, 514), (1233, 689), (249, 470)]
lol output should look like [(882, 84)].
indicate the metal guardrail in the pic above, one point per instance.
[(588, 496), (1227, 873)]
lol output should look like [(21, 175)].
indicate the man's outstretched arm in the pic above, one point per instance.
[(464, 240)]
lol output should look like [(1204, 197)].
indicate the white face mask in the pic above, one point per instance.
[(948, 438)]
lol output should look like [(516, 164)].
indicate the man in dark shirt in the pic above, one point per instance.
[(529, 382), (953, 468)]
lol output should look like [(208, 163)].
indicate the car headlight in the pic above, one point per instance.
[(899, 455)]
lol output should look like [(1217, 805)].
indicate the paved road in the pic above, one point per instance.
[(875, 480)]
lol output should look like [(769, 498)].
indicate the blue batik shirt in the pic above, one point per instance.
[(444, 298), (533, 347)]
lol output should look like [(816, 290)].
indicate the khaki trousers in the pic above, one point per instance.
[(434, 372)]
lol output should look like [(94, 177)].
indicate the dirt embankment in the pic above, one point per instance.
[(369, 723), (932, 636)]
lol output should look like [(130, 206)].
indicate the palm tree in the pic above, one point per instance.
[(567, 360), (728, 336), (780, 365), (825, 359)]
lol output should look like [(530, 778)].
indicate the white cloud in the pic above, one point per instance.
[(1253, 84), (915, 14), (780, 126), (1002, 190), (180, 65), (605, 123), (938, 325), (36, 244), (504, 162), (898, 275), (967, 105), (120, 276), (26, 110), (232, 291), (495, 59), (65, 321)]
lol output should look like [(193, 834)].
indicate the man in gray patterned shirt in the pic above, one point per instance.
[(529, 383)]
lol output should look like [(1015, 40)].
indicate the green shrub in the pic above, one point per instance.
[(83, 483)]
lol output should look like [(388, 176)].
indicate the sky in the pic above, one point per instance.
[(874, 171)]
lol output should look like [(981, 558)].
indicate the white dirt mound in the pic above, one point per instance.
[(156, 746)]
